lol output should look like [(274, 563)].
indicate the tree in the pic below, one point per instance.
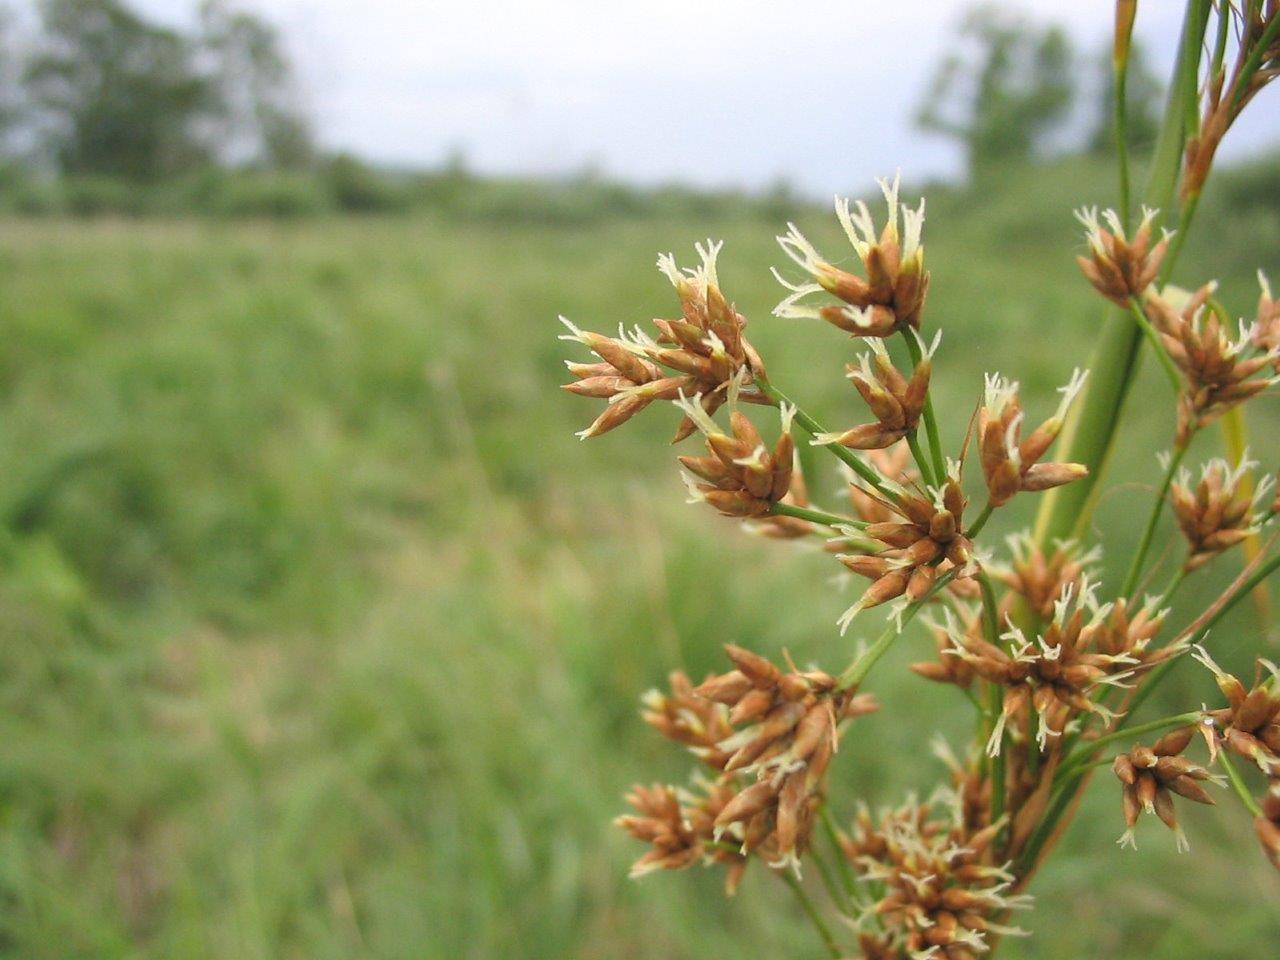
[(116, 95), (260, 120), (1004, 89)]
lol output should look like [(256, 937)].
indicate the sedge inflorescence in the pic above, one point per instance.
[(1053, 644)]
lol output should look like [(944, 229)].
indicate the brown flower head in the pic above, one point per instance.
[(1249, 726), (892, 294), (1152, 775), (1040, 579), (896, 401), (686, 718), (787, 730), (700, 353), (1218, 372), (949, 667), (679, 826), (940, 889), (740, 477), (1266, 328), (1218, 512), (1268, 824), (1117, 267), (1129, 629), (1010, 463), (925, 539), (1055, 674)]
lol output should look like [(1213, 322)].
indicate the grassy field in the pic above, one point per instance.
[(322, 637)]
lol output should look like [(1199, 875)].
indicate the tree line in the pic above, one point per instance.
[(92, 88)]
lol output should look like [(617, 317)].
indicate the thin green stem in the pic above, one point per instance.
[(1083, 755), (815, 516), (1148, 532), (922, 462), (981, 522), (806, 904), (834, 893), (858, 670), (1238, 784), (814, 429), (842, 862), (1172, 586), (1153, 338), (1185, 217), (1120, 75), (916, 349), (1254, 61)]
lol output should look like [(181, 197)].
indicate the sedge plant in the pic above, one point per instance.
[(1056, 671)]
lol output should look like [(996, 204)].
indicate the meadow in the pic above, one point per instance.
[(321, 635)]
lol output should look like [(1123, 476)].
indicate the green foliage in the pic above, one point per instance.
[(322, 634)]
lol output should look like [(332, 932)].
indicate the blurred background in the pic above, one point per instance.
[(320, 635)]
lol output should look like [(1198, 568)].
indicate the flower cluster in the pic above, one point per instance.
[(1120, 268), (940, 890), (698, 354), (769, 736), (1152, 775), (1053, 676), (1218, 512), (1218, 372), (924, 539), (740, 477), (890, 297), (1010, 463), (896, 401)]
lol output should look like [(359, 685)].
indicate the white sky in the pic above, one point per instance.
[(719, 92)]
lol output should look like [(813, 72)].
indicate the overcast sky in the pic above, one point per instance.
[(722, 92)]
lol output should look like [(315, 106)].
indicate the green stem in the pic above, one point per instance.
[(820, 925), (1153, 338), (1172, 587), (842, 862), (1238, 784), (813, 428), (1185, 217), (834, 893), (1089, 437), (916, 349), (922, 463), (1254, 61), (981, 522), (1120, 75), (858, 670), (1084, 755), (815, 516), (1148, 532)]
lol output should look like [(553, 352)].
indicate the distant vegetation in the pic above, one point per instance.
[(105, 113)]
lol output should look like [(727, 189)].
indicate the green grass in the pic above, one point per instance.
[(322, 636)]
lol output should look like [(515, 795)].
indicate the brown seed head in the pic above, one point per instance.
[(889, 297), (1120, 268), (1220, 511)]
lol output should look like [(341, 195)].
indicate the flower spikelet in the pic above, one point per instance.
[(924, 539), (1220, 371), (1119, 267), (889, 297), (1219, 511), (1011, 463), (787, 727), (940, 890), (739, 476), (1152, 775)]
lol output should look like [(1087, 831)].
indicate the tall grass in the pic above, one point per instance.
[(321, 634)]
